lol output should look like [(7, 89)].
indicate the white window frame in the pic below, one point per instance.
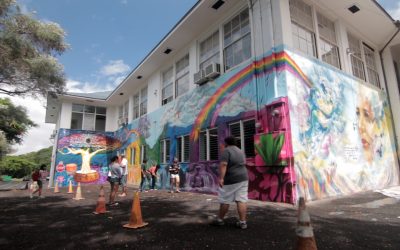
[(327, 40), (236, 40), (143, 101), (167, 83), (209, 56), (136, 105), (143, 153), (85, 114), (242, 136), (208, 133), (183, 153), (164, 150), (182, 74)]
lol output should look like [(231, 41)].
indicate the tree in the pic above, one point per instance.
[(14, 122), (16, 167), (5, 147), (28, 48)]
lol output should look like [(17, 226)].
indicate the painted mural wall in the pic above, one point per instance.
[(341, 133), (83, 156)]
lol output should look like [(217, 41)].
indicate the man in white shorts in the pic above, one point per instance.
[(233, 182), (174, 176)]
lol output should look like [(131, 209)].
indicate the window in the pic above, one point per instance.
[(88, 117), (302, 27), (244, 132), (132, 156), (164, 150), (327, 44), (182, 76), (167, 86), (208, 145), (143, 101), (237, 40), (372, 73), (357, 64), (143, 153), (126, 110), (209, 50), (136, 99), (183, 148)]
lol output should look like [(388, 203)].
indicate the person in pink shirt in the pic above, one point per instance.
[(153, 171)]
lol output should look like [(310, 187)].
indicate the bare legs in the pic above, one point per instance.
[(241, 209), (113, 192)]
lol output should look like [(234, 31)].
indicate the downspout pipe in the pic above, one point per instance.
[(397, 24)]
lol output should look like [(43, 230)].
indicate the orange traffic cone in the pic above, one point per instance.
[(56, 190), (78, 195), (70, 189), (136, 214), (101, 203), (304, 231)]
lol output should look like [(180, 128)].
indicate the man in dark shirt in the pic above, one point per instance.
[(233, 182)]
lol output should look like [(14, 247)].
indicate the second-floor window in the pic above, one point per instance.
[(167, 86), (357, 64), (209, 50), (143, 101), (237, 40), (88, 117), (303, 27), (328, 45), (244, 132), (136, 100), (372, 72), (182, 76)]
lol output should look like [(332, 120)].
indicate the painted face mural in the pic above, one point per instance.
[(368, 129), (346, 147)]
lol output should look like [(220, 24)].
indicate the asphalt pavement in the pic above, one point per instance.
[(368, 220)]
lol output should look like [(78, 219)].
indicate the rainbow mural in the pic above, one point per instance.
[(275, 62)]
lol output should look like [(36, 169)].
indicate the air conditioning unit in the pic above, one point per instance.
[(199, 78), (212, 71)]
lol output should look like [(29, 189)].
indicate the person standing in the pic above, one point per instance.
[(124, 178), (174, 175), (153, 171), (145, 176), (37, 176), (115, 173), (233, 183)]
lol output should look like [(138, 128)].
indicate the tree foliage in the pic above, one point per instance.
[(28, 47), (22, 165), (5, 147), (14, 121)]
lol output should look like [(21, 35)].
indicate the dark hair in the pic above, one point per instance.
[(43, 167), (230, 140), (114, 158), (144, 160)]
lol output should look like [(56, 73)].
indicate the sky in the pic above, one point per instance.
[(108, 39)]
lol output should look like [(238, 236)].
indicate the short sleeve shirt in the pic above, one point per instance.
[(236, 170)]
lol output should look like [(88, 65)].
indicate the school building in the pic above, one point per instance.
[(310, 88)]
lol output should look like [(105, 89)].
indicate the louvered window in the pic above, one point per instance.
[(182, 76), (183, 148), (213, 144), (208, 145), (143, 153), (164, 150), (244, 132), (203, 146)]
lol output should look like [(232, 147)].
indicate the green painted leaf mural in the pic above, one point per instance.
[(269, 148)]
